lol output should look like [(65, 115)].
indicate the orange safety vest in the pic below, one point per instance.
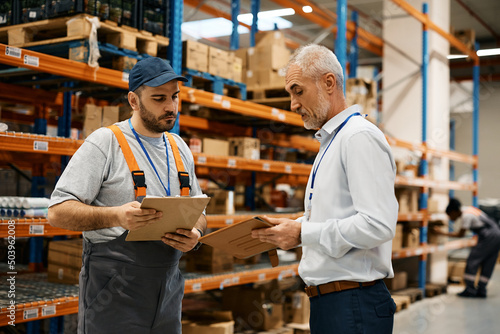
[(138, 175)]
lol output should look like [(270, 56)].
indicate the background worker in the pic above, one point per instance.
[(484, 254), (129, 287), (351, 209)]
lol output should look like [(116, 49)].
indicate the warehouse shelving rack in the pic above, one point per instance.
[(78, 71)]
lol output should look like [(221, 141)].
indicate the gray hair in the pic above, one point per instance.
[(315, 61)]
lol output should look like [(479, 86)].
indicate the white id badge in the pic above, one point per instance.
[(308, 211)]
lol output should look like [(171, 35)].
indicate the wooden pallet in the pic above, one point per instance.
[(274, 97), (402, 302), (432, 290), (414, 294), (261, 93), (67, 29)]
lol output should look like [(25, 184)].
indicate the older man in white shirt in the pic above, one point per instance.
[(351, 210)]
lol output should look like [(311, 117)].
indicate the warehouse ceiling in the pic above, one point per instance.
[(480, 16)]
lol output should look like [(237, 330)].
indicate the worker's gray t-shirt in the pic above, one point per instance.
[(98, 174)]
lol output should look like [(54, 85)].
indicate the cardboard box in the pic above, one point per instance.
[(221, 202), (65, 261), (434, 238), (364, 93), (265, 79), (243, 55), (397, 241), (237, 69), (411, 237), (270, 38), (268, 57), (432, 205), (399, 282), (79, 53), (209, 260), (261, 310), (110, 115), (283, 330), (296, 308), (208, 322), (124, 64), (271, 79), (408, 200), (62, 274), (456, 270), (226, 327), (215, 146), (244, 147), (195, 55), (93, 119), (217, 62), (123, 40)]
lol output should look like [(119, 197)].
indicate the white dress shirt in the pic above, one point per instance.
[(353, 210)]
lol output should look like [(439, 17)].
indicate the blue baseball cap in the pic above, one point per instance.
[(152, 72)]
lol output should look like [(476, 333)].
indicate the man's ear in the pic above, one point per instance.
[(133, 100), (330, 83)]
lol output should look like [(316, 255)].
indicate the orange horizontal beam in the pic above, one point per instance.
[(33, 143), (270, 166), (215, 282), (30, 95), (246, 108), (64, 67), (414, 216), (428, 249), (33, 227), (58, 307), (424, 19)]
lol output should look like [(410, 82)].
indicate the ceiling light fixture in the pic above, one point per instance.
[(488, 52), (307, 9), (480, 53)]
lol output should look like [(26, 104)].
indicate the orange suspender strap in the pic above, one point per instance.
[(183, 175), (137, 174)]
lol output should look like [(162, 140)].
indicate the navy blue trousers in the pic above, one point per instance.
[(366, 310)]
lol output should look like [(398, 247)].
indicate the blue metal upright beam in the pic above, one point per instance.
[(235, 36), (341, 40), (451, 192), (354, 50), (422, 264), (255, 12), (475, 127), (64, 122), (174, 50)]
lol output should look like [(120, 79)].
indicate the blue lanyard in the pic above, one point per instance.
[(315, 170), (167, 190)]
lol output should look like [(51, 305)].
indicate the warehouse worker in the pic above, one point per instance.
[(130, 287), (484, 254), (351, 209)]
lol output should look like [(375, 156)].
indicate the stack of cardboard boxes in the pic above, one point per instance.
[(65, 261), (261, 64), (208, 59), (364, 93), (96, 117)]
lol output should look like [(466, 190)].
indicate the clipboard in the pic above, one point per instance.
[(237, 240), (178, 212)]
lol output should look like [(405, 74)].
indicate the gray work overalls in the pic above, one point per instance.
[(130, 288), (485, 253)]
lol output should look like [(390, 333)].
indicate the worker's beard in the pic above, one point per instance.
[(319, 116), (156, 124)]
